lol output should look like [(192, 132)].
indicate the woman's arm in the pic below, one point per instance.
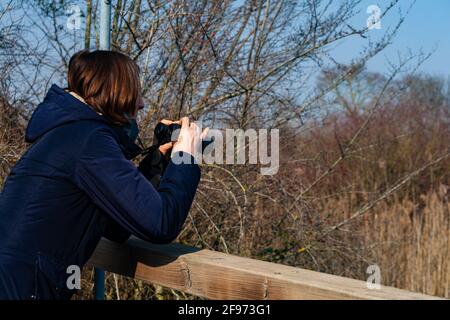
[(152, 167), (117, 187)]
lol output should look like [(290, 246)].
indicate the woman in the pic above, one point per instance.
[(76, 182)]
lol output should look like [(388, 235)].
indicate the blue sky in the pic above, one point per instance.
[(427, 26)]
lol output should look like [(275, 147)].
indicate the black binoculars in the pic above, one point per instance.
[(169, 133)]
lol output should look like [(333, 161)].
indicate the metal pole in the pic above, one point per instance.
[(105, 24), (105, 44), (99, 284)]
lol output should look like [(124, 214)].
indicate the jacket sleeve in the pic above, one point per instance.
[(152, 167), (117, 187)]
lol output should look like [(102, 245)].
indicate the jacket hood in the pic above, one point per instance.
[(58, 108)]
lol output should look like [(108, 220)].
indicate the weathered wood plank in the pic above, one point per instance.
[(216, 275)]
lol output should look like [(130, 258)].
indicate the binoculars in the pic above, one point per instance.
[(169, 133)]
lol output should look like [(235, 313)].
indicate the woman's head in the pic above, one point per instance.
[(108, 81)]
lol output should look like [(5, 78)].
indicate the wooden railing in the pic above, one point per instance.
[(216, 275)]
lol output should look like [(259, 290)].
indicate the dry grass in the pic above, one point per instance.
[(408, 239), (412, 243)]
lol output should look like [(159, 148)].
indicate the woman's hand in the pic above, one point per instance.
[(189, 138)]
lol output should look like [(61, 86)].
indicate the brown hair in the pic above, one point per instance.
[(108, 81)]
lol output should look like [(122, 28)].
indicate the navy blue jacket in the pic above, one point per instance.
[(74, 185)]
